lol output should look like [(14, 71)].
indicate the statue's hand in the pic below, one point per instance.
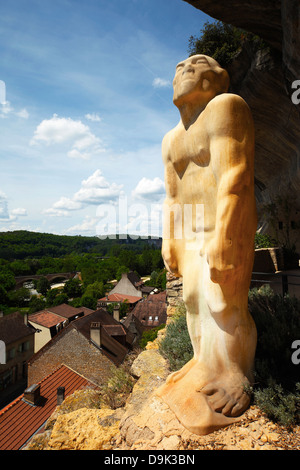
[(219, 258), (169, 256)]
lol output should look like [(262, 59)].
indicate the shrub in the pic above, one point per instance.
[(264, 241), (118, 387), (277, 320), (277, 388), (221, 41), (176, 345), (279, 404), (149, 335)]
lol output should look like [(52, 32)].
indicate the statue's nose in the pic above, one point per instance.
[(188, 68)]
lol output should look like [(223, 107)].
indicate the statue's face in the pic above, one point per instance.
[(195, 74)]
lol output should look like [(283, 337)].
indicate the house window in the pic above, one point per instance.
[(6, 379), (156, 318), (150, 318), (23, 347), (280, 225), (11, 353)]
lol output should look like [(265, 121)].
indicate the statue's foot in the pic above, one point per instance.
[(179, 374), (202, 403), (227, 396)]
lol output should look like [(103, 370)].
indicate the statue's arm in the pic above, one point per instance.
[(231, 134), (170, 245)]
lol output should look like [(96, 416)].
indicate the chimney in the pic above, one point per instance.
[(95, 333), (26, 319), (60, 395), (117, 312), (1, 314), (32, 394)]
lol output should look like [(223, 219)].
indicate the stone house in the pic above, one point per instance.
[(147, 314), (17, 339), (50, 321), (131, 284), (90, 345)]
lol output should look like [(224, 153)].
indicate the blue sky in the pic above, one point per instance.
[(85, 100)]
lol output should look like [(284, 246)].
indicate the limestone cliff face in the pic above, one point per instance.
[(264, 80)]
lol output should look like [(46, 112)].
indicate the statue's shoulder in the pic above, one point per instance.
[(225, 111), (226, 102), (227, 99)]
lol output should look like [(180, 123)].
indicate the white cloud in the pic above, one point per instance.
[(161, 83), (21, 212), (93, 117), (56, 130), (149, 189), (88, 225), (97, 190), (23, 113), (94, 190), (56, 212), (6, 109), (3, 207), (66, 203), (5, 214)]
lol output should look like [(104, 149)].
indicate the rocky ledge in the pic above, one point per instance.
[(146, 423)]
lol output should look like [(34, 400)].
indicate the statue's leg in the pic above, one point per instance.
[(209, 392)]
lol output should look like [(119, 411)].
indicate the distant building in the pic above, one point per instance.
[(147, 314), (50, 321), (28, 414), (18, 338), (131, 284), (89, 345), (119, 299)]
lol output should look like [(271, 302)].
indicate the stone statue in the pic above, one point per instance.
[(209, 161)]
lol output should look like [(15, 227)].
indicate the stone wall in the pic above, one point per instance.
[(174, 295)]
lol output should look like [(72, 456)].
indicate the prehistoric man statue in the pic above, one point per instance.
[(209, 161)]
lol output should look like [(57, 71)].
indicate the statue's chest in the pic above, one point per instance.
[(187, 147)]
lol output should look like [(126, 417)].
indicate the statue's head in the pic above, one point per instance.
[(199, 78)]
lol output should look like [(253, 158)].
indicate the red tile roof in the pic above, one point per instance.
[(46, 318), (132, 299), (19, 420)]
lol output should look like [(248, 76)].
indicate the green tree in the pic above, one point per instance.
[(19, 298), (220, 41), (3, 296), (36, 304), (73, 288), (95, 290), (88, 301), (7, 279), (43, 285), (61, 298)]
